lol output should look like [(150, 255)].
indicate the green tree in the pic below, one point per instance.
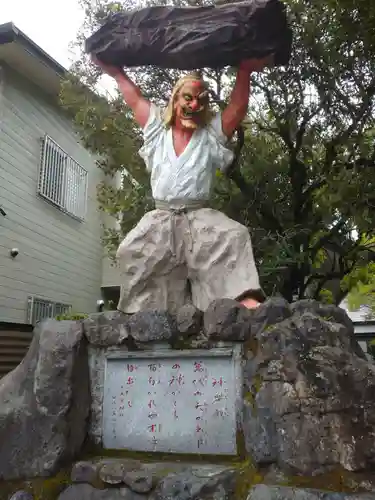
[(304, 182), (363, 291), (361, 281)]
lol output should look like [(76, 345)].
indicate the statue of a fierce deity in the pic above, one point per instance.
[(183, 250)]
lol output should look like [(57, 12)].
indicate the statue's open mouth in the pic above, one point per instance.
[(189, 114)]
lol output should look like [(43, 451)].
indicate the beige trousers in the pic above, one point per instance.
[(170, 249)]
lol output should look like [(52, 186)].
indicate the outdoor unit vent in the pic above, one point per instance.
[(39, 309)]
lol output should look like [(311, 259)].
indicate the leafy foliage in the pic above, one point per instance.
[(371, 346), (71, 317), (304, 183), (361, 283)]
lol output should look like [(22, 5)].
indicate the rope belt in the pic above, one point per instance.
[(177, 208), (180, 206)]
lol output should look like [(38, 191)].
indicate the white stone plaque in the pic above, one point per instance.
[(172, 401)]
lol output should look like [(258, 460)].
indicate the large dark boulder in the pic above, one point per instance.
[(310, 400), (44, 403)]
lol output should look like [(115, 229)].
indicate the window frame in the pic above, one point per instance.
[(62, 181)]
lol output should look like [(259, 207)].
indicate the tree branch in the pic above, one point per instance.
[(237, 152), (318, 183), (362, 112), (324, 239), (302, 128), (281, 128), (249, 193)]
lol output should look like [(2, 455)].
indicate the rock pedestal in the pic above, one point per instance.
[(307, 401)]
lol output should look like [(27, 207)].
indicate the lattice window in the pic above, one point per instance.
[(39, 309), (62, 181)]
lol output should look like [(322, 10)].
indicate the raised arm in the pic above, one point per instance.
[(131, 93), (236, 110)]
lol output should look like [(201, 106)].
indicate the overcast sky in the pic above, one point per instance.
[(46, 22)]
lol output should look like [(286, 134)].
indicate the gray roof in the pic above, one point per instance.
[(9, 33), (19, 52)]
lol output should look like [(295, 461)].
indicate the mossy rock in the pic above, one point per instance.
[(338, 480), (249, 397), (251, 347), (71, 316), (247, 476), (41, 488), (96, 452)]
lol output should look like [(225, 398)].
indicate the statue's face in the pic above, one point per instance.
[(191, 105)]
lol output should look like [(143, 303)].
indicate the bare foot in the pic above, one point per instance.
[(250, 303)]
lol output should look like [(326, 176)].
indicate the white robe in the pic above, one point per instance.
[(190, 175)]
